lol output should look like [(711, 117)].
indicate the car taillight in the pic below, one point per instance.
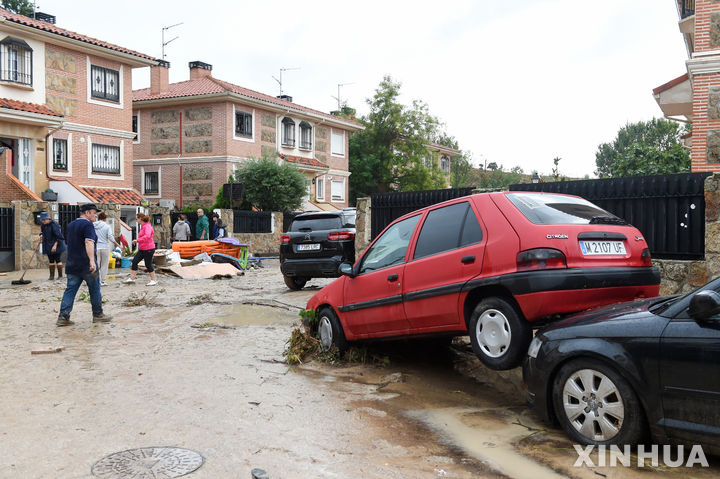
[(540, 258), (345, 235), (284, 239), (645, 257)]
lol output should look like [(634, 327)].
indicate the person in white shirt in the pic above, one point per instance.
[(105, 243)]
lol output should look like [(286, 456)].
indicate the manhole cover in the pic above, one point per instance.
[(148, 463)]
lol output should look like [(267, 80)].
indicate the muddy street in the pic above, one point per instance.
[(199, 365)]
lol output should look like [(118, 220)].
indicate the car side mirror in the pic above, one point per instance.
[(704, 304), (346, 269)]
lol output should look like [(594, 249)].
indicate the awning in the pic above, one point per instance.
[(675, 97)]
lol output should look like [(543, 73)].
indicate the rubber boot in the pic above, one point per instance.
[(52, 271), (59, 268)]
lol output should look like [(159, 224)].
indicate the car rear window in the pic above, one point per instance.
[(316, 223), (544, 209)]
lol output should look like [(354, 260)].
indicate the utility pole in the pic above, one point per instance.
[(163, 37), (338, 95), (280, 80)]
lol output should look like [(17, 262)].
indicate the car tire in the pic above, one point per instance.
[(596, 405), (499, 334), (330, 331), (295, 283)]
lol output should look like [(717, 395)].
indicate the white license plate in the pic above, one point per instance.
[(602, 248), (309, 247)]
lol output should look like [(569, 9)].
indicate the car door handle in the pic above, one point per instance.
[(468, 259), (392, 277)]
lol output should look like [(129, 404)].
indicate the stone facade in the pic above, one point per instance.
[(165, 116), (198, 114), (60, 83), (715, 29), (713, 146), (165, 132), (363, 225), (165, 148), (198, 129), (198, 146), (268, 136), (60, 61), (200, 173), (63, 106), (267, 120), (192, 190)]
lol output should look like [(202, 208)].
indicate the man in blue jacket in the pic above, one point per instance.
[(82, 266), (53, 244)]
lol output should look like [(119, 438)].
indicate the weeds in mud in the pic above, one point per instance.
[(303, 347), (86, 297), (135, 300), (202, 299), (210, 325)]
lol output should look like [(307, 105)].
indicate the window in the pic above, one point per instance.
[(337, 190), (320, 188), (318, 222), (288, 132), (16, 58), (445, 164), (243, 124), (337, 143), (428, 161), (105, 83), (390, 247), (442, 230), (106, 159), (152, 183), (135, 128), (471, 232), (543, 209), (305, 135), (60, 158)]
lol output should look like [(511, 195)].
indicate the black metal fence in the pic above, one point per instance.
[(687, 8), (192, 219), (288, 219), (67, 213), (252, 221), (669, 210), (387, 207), (7, 229)]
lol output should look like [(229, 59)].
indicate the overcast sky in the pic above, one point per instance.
[(516, 82)]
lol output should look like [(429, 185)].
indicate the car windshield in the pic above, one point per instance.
[(548, 209), (316, 223), (348, 219)]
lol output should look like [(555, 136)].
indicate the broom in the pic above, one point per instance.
[(22, 280)]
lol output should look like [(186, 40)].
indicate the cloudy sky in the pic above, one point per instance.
[(517, 83)]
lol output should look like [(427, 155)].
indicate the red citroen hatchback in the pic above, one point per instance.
[(487, 265)]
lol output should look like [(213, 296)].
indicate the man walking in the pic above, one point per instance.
[(82, 266), (202, 228)]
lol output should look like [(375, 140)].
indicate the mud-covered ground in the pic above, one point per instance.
[(199, 365)]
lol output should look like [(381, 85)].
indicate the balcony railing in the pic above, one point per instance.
[(687, 8)]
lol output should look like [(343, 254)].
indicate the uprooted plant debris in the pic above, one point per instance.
[(202, 299), (303, 347), (209, 325), (136, 300)]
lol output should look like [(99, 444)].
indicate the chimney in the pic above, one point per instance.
[(45, 17), (159, 77), (199, 70), (285, 97)]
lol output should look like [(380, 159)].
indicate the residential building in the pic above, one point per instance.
[(695, 95), (192, 135), (65, 113), (441, 156)]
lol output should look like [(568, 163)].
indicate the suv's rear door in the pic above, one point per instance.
[(309, 236), (448, 252)]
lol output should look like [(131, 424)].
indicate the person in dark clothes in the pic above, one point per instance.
[(53, 244), (82, 266)]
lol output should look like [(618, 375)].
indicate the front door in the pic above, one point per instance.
[(690, 377), (373, 298)]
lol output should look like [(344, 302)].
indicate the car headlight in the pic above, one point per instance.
[(534, 348)]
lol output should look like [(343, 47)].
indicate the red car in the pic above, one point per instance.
[(489, 265)]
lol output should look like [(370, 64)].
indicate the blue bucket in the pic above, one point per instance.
[(125, 262)]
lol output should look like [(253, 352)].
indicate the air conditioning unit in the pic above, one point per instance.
[(168, 204)]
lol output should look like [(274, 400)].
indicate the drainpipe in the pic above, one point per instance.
[(180, 164)]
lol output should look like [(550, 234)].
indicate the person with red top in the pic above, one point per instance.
[(146, 249)]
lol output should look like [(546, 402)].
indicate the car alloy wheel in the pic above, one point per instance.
[(330, 331), (493, 333), (593, 405), (325, 333), (596, 405)]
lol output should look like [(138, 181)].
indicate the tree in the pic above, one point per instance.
[(644, 148), (271, 186), (461, 171), (388, 155), (23, 7), (492, 166)]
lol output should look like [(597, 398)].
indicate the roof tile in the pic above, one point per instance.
[(302, 160), (112, 195), (25, 106)]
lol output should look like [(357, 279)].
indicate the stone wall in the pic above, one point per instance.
[(260, 244), (163, 231), (362, 225)]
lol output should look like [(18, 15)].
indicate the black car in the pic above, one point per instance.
[(613, 374), (316, 245)]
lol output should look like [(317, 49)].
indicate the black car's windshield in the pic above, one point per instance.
[(316, 223)]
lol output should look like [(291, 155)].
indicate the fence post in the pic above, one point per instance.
[(363, 221)]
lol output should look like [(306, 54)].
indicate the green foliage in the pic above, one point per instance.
[(388, 155), (271, 186), (23, 7), (192, 208), (498, 178), (644, 148), (461, 171), (309, 316)]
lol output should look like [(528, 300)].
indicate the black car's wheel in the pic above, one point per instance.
[(295, 282), (499, 334), (330, 331), (595, 405)]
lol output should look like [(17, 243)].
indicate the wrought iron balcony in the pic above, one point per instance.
[(686, 8)]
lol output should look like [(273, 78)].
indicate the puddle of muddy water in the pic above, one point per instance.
[(252, 315)]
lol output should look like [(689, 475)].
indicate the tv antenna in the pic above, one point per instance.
[(338, 95), (163, 37), (281, 72)]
